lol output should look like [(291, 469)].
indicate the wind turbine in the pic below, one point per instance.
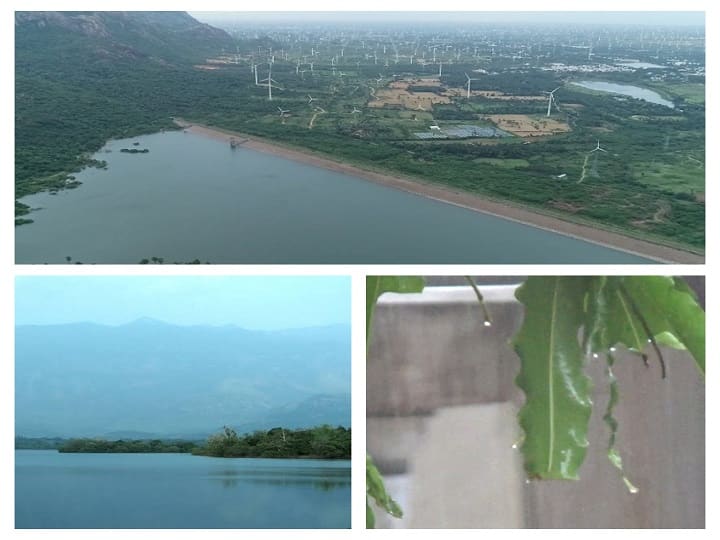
[(469, 80), (270, 82), (355, 110), (310, 99), (283, 112), (551, 99), (597, 148), (593, 170)]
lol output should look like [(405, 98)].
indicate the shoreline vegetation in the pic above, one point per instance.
[(322, 442), (502, 209)]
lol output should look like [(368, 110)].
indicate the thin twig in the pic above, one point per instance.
[(480, 299), (644, 323)]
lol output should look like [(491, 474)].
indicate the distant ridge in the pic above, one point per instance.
[(156, 36), (87, 380)]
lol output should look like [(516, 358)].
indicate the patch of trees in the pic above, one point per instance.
[(323, 442), (38, 443), (452, 112), (100, 446), (434, 89)]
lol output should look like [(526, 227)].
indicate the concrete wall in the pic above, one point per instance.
[(441, 406)]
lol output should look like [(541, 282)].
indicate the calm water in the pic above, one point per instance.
[(192, 197), (54, 490), (626, 90)]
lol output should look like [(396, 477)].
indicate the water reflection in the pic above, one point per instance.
[(324, 479), (178, 491)]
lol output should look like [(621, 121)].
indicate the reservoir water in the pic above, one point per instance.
[(626, 90), (54, 490), (192, 197)]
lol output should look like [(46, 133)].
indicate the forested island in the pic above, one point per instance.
[(100, 446), (323, 442)]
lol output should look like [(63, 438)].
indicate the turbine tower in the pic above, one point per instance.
[(593, 170), (270, 82), (469, 80), (551, 99)]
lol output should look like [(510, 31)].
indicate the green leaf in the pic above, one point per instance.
[(609, 419), (631, 310), (377, 285), (672, 311), (557, 409), (611, 318), (376, 490), (369, 515)]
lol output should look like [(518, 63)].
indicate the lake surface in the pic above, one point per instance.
[(54, 490), (626, 90), (192, 197)]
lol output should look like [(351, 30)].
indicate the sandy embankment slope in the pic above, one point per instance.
[(526, 216)]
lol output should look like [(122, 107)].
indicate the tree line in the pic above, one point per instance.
[(323, 442)]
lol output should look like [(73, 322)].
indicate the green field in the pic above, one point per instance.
[(693, 93)]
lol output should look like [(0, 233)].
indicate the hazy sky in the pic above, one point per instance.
[(672, 18), (266, 303)]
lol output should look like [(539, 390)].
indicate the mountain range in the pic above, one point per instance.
[(150, 377), (159, 36)]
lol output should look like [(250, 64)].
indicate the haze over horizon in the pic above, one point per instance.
[(644, 18), (249, 302), (180, 355)]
